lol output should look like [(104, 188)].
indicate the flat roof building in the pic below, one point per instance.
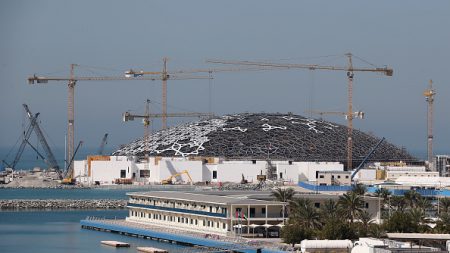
[(208, 213)]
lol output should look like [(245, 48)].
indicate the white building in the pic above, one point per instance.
[(334, 178), (442, 165), (208, 213), (393, 175), (110, 169)]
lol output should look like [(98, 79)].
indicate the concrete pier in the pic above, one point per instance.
[(180, 237)]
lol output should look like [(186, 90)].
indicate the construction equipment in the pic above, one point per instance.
[(169, 179), (366, 158), (26, 136), (429, 97), (243, 180), (350, 75), (165, 75), (102, 144), (34, 126), (146, 118), (68, 176), (72, 80), (37, 129), (357, 114)]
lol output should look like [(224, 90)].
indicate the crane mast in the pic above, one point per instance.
[(71, 114), (350, 69), (164, 93), (350, 113), (72, 80), (166, 75), (429, 97)]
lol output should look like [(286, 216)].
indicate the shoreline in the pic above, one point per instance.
[(55, 204)]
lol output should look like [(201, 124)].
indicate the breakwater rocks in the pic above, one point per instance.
[(50, 204)]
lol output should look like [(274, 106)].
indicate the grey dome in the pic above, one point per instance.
[(262, 136)]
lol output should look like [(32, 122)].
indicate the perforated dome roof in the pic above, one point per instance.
[(262, 136)]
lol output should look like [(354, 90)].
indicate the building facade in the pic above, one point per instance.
[(112, 169), (208, 213), (442, 165), (334, 178)]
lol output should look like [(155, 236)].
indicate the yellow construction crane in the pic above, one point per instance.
[(169, 179), (429, 97), (350, 74), (72, 80), (146, 118), (165, 75)]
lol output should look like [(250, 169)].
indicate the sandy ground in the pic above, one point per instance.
[(33, 180)]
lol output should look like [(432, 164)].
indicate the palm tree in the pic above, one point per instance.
[(443, 224), (444, 205), (423, 204), (418, 218), (304, 213), (397, 203), (359, 189), (365, 222), (412, 197), (365, 218), (382, 193), (351, 205), (283, 195), (329, 210)]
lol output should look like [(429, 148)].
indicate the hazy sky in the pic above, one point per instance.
[(109, 37)]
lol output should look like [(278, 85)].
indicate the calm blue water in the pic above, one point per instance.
[(60, 231)]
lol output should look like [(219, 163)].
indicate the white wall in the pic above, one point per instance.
[(232, 172), (406, 168), (168, 167), (308, 170), (290, 172), (366, 175), (107, 171), (227, 171), (80, 171), (393, 175)]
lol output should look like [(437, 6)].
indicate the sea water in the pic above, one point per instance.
[(60, 231)]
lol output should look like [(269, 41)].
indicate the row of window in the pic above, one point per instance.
[(182, 220), (317, 205), (332, 176), (188, 206)]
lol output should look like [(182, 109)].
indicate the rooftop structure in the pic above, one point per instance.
[(264, 136)]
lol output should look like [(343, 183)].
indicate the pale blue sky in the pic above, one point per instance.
[(45, 37)]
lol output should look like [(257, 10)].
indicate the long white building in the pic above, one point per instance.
[(110, 169), (208, 213)]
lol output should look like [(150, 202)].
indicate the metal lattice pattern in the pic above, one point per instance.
[(264, 136)]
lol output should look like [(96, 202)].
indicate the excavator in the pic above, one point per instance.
[(169, 179)]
